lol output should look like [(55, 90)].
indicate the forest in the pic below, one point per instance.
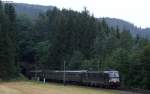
[(77, 38)]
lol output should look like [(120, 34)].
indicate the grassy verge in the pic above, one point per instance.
[(49, 88)]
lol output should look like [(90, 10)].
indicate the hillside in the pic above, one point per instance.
[(113, 22), (33, 11)]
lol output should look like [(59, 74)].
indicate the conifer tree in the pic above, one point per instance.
[(7, 42)]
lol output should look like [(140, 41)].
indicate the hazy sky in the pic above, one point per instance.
[(135, 11)]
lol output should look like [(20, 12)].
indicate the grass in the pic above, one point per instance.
[(25, 87)]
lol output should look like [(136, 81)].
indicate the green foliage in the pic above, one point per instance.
[(92, 65), (41, 50), (126, 40), (67, 33), (8, 65), (75, 61), (145, 60)]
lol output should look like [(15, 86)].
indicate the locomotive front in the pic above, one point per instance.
[(114, 78)]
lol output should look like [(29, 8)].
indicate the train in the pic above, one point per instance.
[(107, 79)]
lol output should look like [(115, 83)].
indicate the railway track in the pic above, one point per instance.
[(121, 90), (133, 91)]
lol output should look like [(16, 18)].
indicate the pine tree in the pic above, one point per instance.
[(7, 43)]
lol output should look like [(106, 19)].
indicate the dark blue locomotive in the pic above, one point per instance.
[(91, 78)]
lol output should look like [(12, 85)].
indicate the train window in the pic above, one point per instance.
[(114, 74)]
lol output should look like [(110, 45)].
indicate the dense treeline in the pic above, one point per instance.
[(8, 67), (77, 38)]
